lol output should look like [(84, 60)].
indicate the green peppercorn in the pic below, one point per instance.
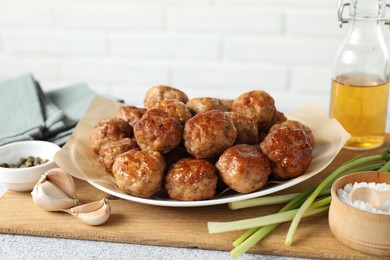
[(25, 162)]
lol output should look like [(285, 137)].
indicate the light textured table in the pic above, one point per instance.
[(29, 247)]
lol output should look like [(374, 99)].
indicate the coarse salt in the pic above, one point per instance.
[(343, 194)]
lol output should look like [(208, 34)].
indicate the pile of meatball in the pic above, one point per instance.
[(189, 148)]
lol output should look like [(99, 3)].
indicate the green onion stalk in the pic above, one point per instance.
[(314, 200)]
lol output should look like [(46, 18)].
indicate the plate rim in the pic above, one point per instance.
[(201, 203)]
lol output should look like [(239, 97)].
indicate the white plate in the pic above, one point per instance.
[(327, 147), (229, 196), (77, 158)]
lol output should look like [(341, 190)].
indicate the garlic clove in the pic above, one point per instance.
[(94, 213), (63, 180), (54, 191), (50, 197)]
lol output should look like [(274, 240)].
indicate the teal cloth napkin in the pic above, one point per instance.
[(28, 113), (73, 102)]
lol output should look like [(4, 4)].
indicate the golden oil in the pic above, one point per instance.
[(359, 103)]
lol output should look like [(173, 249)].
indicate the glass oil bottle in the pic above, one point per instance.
[(360, 76)]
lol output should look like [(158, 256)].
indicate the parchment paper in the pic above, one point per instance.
[(77, 158)]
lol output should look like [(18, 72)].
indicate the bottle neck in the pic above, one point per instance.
[(367, 9), (363, 53), (361, 30)]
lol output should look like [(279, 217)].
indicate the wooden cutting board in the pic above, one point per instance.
[(135, 223)]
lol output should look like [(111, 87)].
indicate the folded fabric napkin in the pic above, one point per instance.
[(28, 113)]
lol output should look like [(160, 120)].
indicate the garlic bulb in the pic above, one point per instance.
[(94, 213), (55, 190)]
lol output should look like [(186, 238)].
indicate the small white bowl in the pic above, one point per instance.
[(24, 179)]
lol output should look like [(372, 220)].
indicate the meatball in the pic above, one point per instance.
[(158, 131), (289, 151), (110, 150), (228, 102), (244, 168), (109, 130), (257, 104), (139, 173), (247, 132), (204, 104), (131, 114), (174, 108), (161, 92), (175, 155), (191, 179), (208, 134), (299, 125), (279, 117)]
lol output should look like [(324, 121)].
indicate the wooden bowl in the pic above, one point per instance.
[(361, 230)]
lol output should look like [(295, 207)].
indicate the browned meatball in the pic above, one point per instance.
[(174, 108), (204, 104), (247, 132), (161, 92), (131, 114), (191, 179), (299, 125), (208, 134), (110, 150), (244, 168), (158, 131), (279, 117), (256, 104), (228, 102), (139, 173), (289, 151), (175, 155), (109, 130)]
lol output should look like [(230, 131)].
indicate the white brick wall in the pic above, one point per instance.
[(225, 19), (109, 16), (166, 45), (205, 47)]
